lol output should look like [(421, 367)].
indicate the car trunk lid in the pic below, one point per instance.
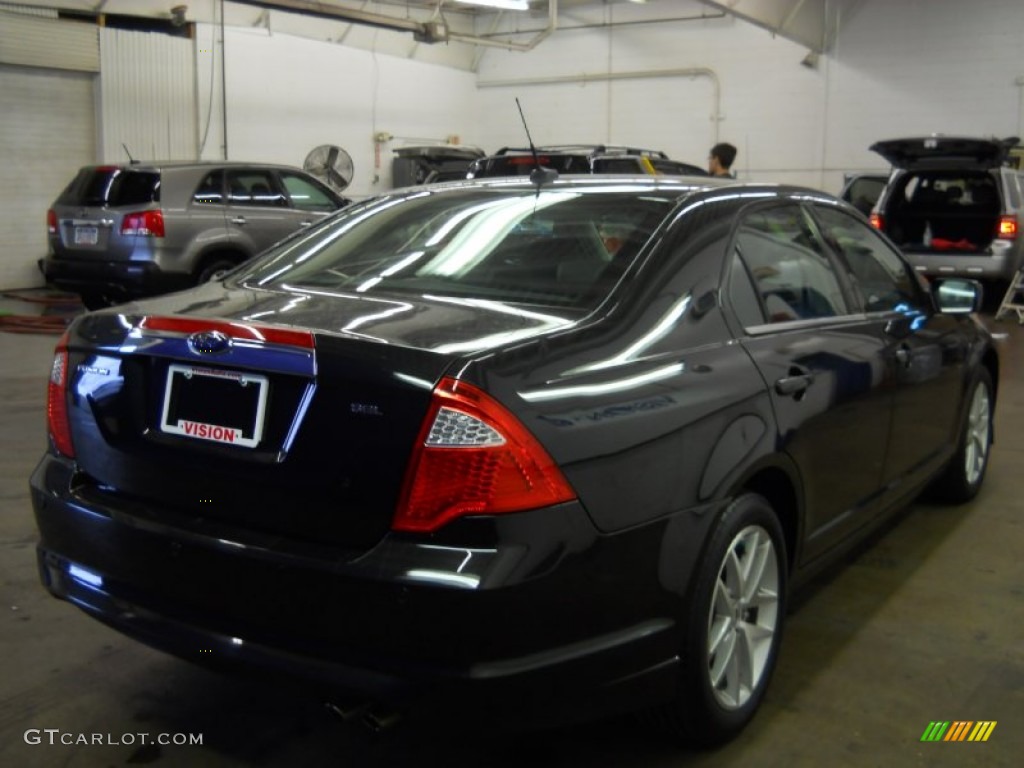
[(226, 414), (945, 152)]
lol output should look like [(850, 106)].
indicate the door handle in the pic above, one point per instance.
[(305, 223), (796, 383), (239, 220), (903, 355)]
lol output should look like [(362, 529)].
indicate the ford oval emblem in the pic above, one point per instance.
[(209, 342)]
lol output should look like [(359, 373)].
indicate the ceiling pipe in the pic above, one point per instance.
[(337, 13), (541, 36), (616, 24), (422, 31), (639, 75)]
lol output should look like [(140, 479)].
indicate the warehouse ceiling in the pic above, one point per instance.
[(812, 23)]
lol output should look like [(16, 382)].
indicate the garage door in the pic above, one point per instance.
[(47, 131)]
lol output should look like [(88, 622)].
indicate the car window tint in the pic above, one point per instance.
[(617, 165), (792, 274), (742, 295), (253, 188), (211, 189), (542, 247), (305, 195), (883, 279), (112, 186), (864, 192)]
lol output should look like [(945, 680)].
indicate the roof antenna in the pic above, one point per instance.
[(539, 176), (131, 159)]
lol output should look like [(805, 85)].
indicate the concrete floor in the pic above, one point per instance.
[(924, 624)]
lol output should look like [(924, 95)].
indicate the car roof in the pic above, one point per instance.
[(684, 185), (159, 165)]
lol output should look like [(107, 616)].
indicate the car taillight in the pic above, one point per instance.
[(51, 221), (877, 221), (57, 401), (473, 457), (1007, 227), (145, 223)]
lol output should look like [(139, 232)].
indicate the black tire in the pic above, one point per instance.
[(213, 269), (91, 301), (962, 478), (712, 705)]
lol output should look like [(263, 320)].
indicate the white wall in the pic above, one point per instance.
[(287, 94), (913, 67), (899, 67)]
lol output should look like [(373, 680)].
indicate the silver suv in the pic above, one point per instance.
[(953, 206), (123, 231)]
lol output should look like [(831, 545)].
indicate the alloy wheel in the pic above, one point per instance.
[(979, 420), (744, 617)]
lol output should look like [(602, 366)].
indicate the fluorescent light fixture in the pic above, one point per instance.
[(505, 5)]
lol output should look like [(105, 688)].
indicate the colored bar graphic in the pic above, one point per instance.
[(982, 730), (958, 730)]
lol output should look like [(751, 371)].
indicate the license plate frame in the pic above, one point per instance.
[(198, 405), (87, 235)]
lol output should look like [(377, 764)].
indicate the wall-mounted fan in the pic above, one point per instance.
[(331, 164)]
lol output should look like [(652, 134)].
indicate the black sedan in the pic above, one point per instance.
[(540, 449)]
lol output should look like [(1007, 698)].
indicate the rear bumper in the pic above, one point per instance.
[(533, 617), (1000, 264), (116, 280)]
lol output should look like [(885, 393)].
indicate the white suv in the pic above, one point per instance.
[(953, 206)]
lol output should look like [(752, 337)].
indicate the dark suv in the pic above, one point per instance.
[(953, 206), (581, 158), (123, 231)]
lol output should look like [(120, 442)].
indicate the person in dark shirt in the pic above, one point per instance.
[(720, 159)]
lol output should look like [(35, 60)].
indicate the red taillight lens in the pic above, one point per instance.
[(473, 457), (51, 221), (877, 221), (149, 223), (1007, 227), (57, 401)]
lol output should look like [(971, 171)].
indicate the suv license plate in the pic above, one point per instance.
[(209, 404), (86, 235)]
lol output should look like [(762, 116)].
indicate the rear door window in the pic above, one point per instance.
[(254, 188), (794, 278)]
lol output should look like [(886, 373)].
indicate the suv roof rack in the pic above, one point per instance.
[(590, 149)]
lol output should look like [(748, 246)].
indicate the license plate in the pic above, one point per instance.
[(209, 404), (87, 235)]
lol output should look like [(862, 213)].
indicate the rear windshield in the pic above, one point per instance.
[(557, 247), (112, 186), (950, 191), (521, 165)]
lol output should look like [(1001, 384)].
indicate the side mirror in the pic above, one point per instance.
[(956, 296)]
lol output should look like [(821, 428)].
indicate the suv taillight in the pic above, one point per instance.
[(473, 457), (1007, 227), (57, 401), (51, 221), (146, 223), (877, 221)]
